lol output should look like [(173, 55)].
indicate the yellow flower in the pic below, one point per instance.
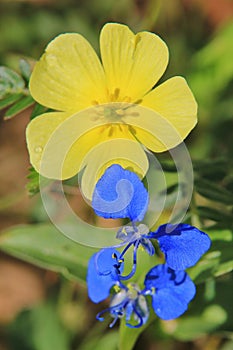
[(105, 111)]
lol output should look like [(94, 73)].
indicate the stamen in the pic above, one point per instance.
[(98, 316), (112, 324), (116, 93), (136, 244), (116, 288), (138, 101), (116, 310), (110, 132), (125, 250), (139, 317)]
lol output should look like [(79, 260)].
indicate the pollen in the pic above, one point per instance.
[(116, 288)]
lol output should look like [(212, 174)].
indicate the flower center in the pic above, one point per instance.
[(116, 108), (113, 112), (133, 291), (132, 233)]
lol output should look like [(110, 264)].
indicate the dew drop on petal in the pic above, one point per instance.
[(38, 149)]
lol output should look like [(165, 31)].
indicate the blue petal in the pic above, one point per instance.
[(173, 291), (119, 193), (102, 274), (182, 244)]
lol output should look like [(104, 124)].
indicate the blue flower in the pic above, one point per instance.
[(182, 244), (171, 292), (130, 303), (119, 193)]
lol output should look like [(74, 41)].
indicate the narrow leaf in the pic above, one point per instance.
[(218, 260), (212, 169), (10, 82), (168, 166), (214, 192), (25, 69), (215, 215), (9, 100), (35, 182), (18, 107), (37, 110)]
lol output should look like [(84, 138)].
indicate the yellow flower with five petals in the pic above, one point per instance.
[(106, 111)]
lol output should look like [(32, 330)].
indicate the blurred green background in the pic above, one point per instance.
[(41, 310)]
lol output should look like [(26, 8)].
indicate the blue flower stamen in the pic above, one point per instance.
[(112, 324), (133, 270), (115, 310), (138, 325)]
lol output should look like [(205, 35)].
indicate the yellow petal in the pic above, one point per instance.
[(174, 101), (168, 115), (38, 133), (126, 152), (77, 156), (132, 63), (58, 143), (69, 76)]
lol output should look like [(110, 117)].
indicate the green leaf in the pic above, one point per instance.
[(49, 333), (189, 328), (38, 109), (44, 246), (212, 68), (35, 182), (168, 166), (9, 100), (206, 315), (25, 69), (214, 192), (19, 106), (213, 168), (218, 260), (10, 82), (173, 188), (219, 235), (39, 329), (216, 215)]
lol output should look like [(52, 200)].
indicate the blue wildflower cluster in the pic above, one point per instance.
[(120, 194)]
